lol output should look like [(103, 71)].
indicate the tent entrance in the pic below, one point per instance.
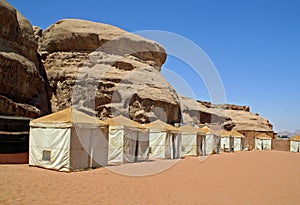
[(174, 146), (136, 146), (201, 145), (231, 144), (294, 146)]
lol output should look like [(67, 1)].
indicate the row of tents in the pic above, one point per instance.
[(70, 140)]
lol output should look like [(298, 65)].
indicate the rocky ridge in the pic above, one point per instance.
[(99, 68), (23, 81)]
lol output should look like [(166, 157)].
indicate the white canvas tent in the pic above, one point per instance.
[(128, 140), (227, 142), (211, 141), (189, 142), (164, 141), (263, 142), (295, 144), (238, 140), (68, 140)]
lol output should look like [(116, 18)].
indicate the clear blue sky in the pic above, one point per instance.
[(254, 44)]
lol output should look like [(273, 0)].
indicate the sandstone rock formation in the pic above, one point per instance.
[(23, 82), (98, 68), (229, 116), (103, 68), (197, 113), (122, 69)]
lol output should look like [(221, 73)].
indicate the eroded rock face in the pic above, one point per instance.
[(246, 121), (81, 35), (103, 68), (197, 113), (23, 82), (229, 116)]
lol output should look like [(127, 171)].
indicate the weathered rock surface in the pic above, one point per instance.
[(229, 116), (197, 113), (225, 106), (81, 35), (111, 71), (248, 121), (103, 68), (23, 83), (243, 119)]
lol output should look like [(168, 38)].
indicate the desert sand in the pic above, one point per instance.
[(254, 177)]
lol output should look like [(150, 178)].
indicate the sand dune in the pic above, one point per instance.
[(256, 177)]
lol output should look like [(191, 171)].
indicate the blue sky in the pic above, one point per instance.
[(255, 45)]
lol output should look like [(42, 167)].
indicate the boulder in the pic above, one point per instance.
[(81, 35)]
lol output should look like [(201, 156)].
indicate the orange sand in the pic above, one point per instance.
[(256, 177)]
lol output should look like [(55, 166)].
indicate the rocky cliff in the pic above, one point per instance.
[(99, 68), (23, 82), (123, 67)]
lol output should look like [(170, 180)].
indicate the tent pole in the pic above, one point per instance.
[(91, 153)]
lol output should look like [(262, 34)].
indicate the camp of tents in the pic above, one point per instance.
[(71, 140)]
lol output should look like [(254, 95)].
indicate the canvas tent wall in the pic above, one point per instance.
[(164, 141), (295, 144), (211, 141), (189, 142), (68, 140), (263, 142), (128, 140)]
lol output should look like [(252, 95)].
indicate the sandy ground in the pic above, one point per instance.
[(256, 177)]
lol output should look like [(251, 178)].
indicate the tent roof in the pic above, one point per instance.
[(123, 121), (225, 133), (206, 130), (263, 136), (232, 133), (66, 118), (188, 129), (295, 138), (235, 133), (161, 126)]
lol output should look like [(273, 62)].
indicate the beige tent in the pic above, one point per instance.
[(238, 140), (209, 140), (164, 141), (189, 142), (295, 144), (227, 142), (128, 140), (68, 140), (263, 142)]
